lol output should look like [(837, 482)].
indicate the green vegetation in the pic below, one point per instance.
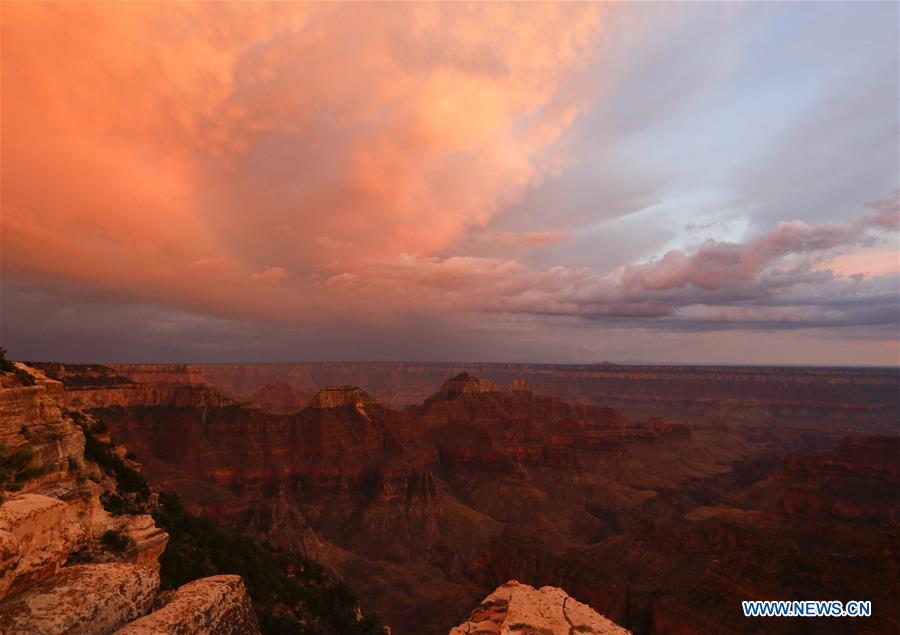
[(14, 467), (290, 594)]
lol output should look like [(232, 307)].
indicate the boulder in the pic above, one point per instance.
[(218, 605), (93, 599), (515, 607), (37, 534)]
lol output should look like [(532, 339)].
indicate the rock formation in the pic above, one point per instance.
[(464, 384), (217, 605), (67, 563), (519, 608)]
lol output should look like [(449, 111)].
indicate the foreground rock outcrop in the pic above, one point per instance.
[(217, 605), (519, 608), (78, 551), (88, 598)]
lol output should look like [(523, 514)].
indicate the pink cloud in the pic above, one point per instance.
[(169, 153), (527, 239), (215, 139), (270, 275)]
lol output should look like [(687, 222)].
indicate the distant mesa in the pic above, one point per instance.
[(464, 384), (342, 396)]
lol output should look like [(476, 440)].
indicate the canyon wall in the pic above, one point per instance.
[(67, 564)]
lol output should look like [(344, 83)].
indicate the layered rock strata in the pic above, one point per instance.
[(67, 564)]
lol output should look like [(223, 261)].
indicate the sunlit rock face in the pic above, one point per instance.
[(217, 605), (88, 598), (515, 607), (53, 509), (67, 564)]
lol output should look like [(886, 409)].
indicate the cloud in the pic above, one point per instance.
[(528, 239), (887, 212), (503, 162), (775, 280), (717, 264), (270, 275), (182, 137)]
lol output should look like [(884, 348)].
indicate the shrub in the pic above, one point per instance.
[(14, 467), (113, 503), (114, 541), (127, 478), (5, 365), (24, 377)]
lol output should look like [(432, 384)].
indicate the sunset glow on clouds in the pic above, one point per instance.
[(520, 178)]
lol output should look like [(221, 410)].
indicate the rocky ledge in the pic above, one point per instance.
[(217, 605), (519, 608), (78, 552)]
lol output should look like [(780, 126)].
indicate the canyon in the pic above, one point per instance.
[(644, 492)]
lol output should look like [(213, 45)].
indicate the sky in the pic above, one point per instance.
[(573, 183)]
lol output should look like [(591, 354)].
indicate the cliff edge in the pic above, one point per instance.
[(78, 551), (519, 608)]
